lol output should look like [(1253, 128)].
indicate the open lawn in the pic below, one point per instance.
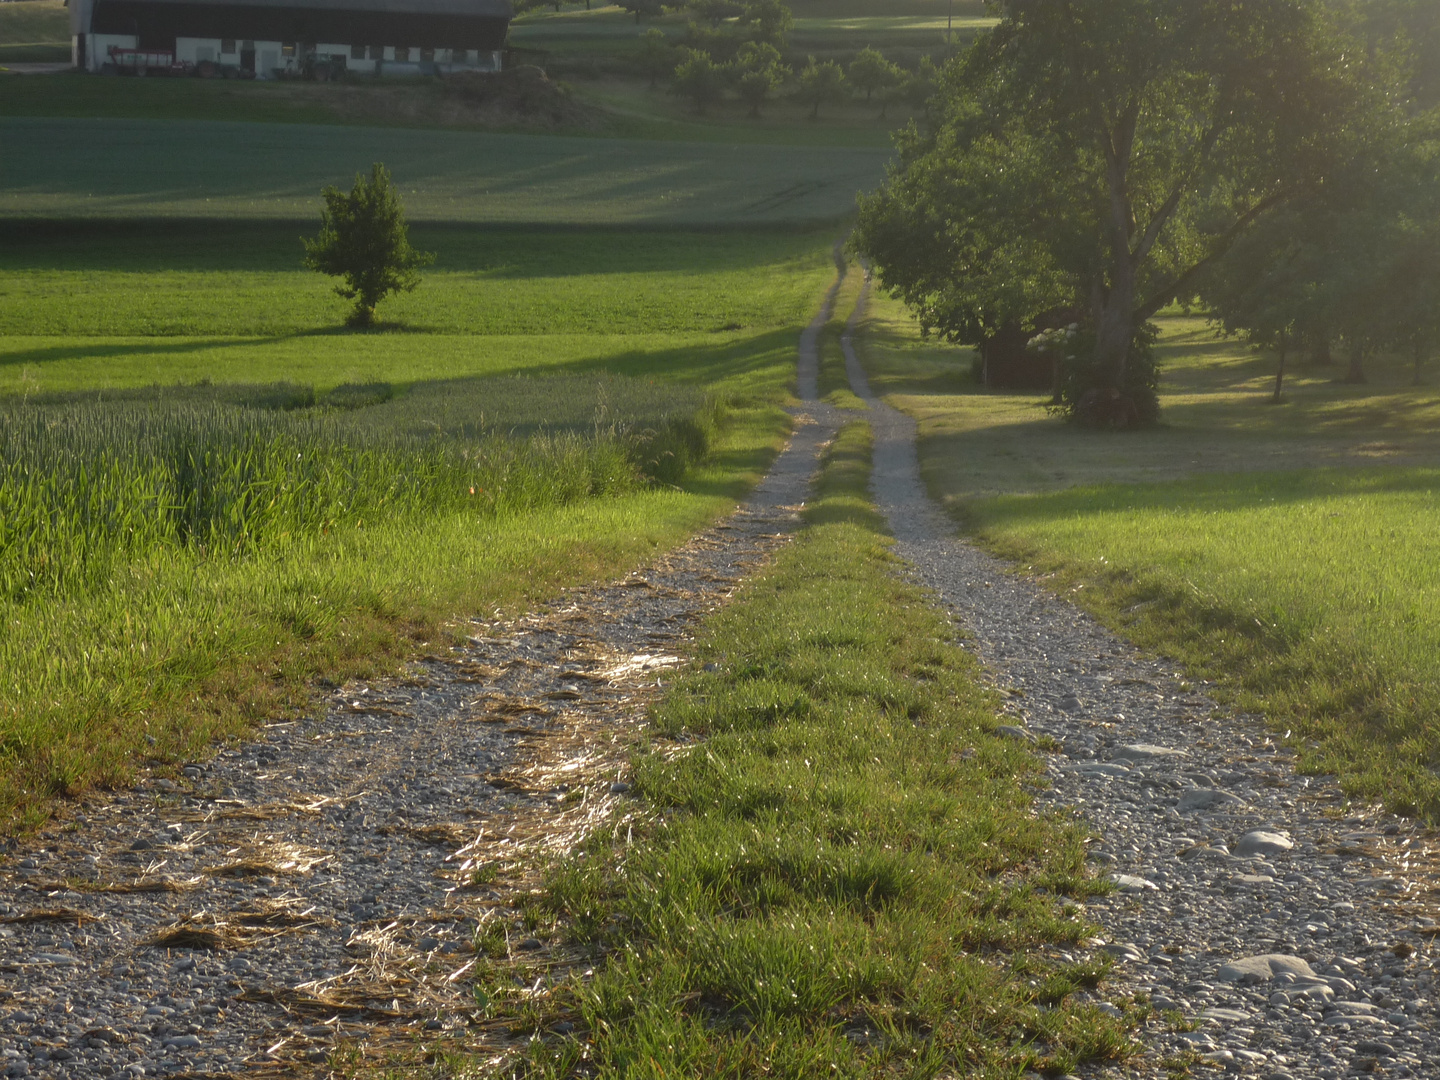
[(181, 303), (1288, 552)]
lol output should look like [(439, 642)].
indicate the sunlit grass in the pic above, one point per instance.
[(1258, 543)]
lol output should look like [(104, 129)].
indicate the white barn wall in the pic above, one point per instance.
[(269, 56)]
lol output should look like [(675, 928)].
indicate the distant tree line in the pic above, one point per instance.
[(1084, 165), (734, 49)]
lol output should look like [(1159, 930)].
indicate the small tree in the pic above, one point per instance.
[(870, 71), (700, 79), (657, 55), (364, 240), (820, 83), (769, 21), (760, 73)]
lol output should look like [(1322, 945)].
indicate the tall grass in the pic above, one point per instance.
[(177, 564), (83, 485)]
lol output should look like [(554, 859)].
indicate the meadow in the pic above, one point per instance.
[(1287, 552), (179, 303)]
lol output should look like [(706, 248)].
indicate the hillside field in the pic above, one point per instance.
[(1287, 552), (86, 168)]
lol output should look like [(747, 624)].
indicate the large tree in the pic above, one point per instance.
[(1113, 150)]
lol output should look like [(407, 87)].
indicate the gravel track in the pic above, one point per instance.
[(326, 883), (1223, 854)]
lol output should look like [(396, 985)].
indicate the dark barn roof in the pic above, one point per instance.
[(467, 24)]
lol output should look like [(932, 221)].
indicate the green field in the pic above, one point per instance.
[(69, 168), (1288, 552), (34, 30), (230, 304)]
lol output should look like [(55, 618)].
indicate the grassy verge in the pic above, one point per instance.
[(1307, 595), (1286, 552), (843, 876), (832, 382)]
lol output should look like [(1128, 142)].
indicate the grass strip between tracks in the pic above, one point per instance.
[(839, 871)]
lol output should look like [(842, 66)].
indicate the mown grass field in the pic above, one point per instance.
[(93, 168), (34, 30), (844, 877), (176, 303), (1288, 552)]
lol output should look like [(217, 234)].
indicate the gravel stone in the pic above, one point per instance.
[(1260, 842), (1202, 799)]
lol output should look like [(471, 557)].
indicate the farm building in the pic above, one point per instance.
[(268, 39)]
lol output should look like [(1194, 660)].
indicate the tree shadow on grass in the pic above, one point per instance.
[(114, 350), (1211, 494)]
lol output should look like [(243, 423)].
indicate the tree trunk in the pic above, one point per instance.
[(1280, 371), (1356, 374), (1419, 353), (1320, 354), (1116, 324)]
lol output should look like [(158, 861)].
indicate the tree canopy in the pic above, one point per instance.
[(818, 83), (1093, 159), (364, 240), (700, 79)]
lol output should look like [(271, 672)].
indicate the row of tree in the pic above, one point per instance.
[(758, 73), (734, 46), (1087, 164)]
